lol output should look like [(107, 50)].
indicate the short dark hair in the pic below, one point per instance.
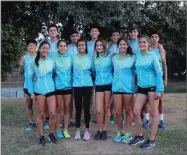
[(132, 28), (52, 25), (73, 32), (32, 41), (115, 31), (154, 32), (96, 26)]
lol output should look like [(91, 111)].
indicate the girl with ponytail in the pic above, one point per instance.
[(43, 90)]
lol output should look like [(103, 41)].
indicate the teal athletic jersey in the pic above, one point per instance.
[(53, 48), (157, 52), (113, 48), (82, 68), (44, 83), (134, 44), (123, 76), (72, 50), (90, 46), (28, 59), (149, 72), (63, 70), (103, 70)]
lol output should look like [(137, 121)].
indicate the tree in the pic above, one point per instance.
[(25, 20)]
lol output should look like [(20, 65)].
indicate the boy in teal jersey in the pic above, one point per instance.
[(133, 42), (63, 86), (72, 50), (113, 49), (150, 87), (82, 84), (123, 88), (94, 33), (161, 55), (24, 68), (43, 90), (53, 34)]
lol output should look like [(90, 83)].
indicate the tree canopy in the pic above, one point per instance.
[(25, 20)]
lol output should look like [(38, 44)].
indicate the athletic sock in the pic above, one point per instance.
[(146, 116), (162, 117)]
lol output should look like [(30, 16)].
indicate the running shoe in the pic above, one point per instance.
[(98, 135), (46, 125), (104, 135), (136, 140), (42, 141), (112, 119), (162, 124), (87, 135), (29, 127), (77, 135), (127, 138), (119, 136), (59, 134), (52, 138), (70, 123), (66, 134), (148, 144), (145, 124)]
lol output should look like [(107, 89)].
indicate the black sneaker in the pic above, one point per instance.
[(42, 141), (148, 144), (97, 136), (104, 135), (136, 140), (52, 138)]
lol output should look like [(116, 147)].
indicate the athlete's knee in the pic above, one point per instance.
[(136, 112), (128, 111), (118, 113), (41, 114), (52, 115), (154, 112)]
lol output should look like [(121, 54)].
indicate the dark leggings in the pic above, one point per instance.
[(82, 93)]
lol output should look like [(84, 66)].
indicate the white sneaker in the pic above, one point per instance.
[(86, 135), (77, 135)]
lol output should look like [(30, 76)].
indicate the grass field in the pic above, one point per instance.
[(16, 141)]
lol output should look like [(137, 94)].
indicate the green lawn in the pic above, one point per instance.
[(15, 140)]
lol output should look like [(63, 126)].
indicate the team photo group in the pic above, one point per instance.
[(124, 77)]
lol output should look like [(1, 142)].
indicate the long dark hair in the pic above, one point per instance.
[(82, 40), (129, 49), (104, 44), (38, 52)]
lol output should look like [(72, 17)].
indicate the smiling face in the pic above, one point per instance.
[(81, 46), (44, 50), (74, 38), (62, 47), (31, 47), (122, 46), (53, 32), (133, 34), (143, 44), (99, 47), (94, 33), (115, 36)]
